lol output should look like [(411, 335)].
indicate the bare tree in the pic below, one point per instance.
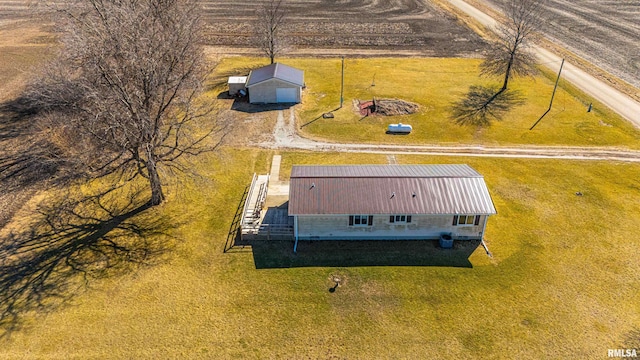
[(506, 56), (271, 17), (508, 53), (123, 95)]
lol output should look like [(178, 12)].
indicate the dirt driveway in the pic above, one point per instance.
[(286, 137)]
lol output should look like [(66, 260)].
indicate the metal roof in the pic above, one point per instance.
[(448, 170), (388, 189), (237, 80), (276, 71)]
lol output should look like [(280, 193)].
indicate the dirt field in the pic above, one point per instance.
[(359, 24), (385, 26), (606, 33)]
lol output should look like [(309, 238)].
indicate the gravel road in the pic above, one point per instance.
[(286, 137), (605, 33), (617, 101)]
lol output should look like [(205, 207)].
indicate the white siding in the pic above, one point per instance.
[(328, 227), (266, 91)]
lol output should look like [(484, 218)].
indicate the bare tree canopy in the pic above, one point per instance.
[(123, 95), (271, 17), (508, 54)]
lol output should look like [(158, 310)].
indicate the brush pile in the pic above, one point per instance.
[(387, 107)]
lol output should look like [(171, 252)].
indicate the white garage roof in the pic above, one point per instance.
[(276, 71)]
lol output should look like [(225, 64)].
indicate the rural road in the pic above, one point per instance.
[(614, 99), (285, 137)]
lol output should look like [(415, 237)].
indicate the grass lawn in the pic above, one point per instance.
[(562, 283), (434, 84)]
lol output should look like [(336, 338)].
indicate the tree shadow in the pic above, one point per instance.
[(13, 118), (25, 158), (36, 150), (30, 157), (632, 339), (28, 160), (70, 243), (242, 104), (349, 253), (218, 79), (482, 104)]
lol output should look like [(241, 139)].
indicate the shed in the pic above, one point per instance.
[(275, 83), (388, 202), (236, 83)]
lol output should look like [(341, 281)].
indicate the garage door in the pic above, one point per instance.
[(286, 95)]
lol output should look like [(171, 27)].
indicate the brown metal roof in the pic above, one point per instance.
[(448, 170), (388, 189)]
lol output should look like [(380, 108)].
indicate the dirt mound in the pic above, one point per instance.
[(387, 107)]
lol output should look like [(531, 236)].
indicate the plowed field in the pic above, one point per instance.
[(359, 24), (381, 25), (606, 33)]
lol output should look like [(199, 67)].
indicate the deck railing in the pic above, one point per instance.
[(268, 232), (248, 198)]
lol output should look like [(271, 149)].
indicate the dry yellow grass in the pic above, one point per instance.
[(561, 283), (435, 84)]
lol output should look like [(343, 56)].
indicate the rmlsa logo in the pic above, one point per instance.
[(623, 353)]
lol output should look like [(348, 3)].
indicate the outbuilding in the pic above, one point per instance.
[(388, 202), (236, 84), (275, 83)]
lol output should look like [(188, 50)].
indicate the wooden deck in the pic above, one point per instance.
[(275, 224), (265, 214)]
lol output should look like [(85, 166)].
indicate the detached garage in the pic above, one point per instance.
[(275, 83)]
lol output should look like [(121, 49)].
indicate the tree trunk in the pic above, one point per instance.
[(508, 72), (154, 181), (272, 48)]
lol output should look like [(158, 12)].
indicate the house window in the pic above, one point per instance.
[(400, 219), (466, 220), (360, 220)]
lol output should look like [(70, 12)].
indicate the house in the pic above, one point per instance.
[(388, 202), (275, 83)]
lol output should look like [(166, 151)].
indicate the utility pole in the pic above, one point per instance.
[(552, 96), (342, 85)]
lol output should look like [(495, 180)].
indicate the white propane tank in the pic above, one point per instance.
[(400, 128)]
